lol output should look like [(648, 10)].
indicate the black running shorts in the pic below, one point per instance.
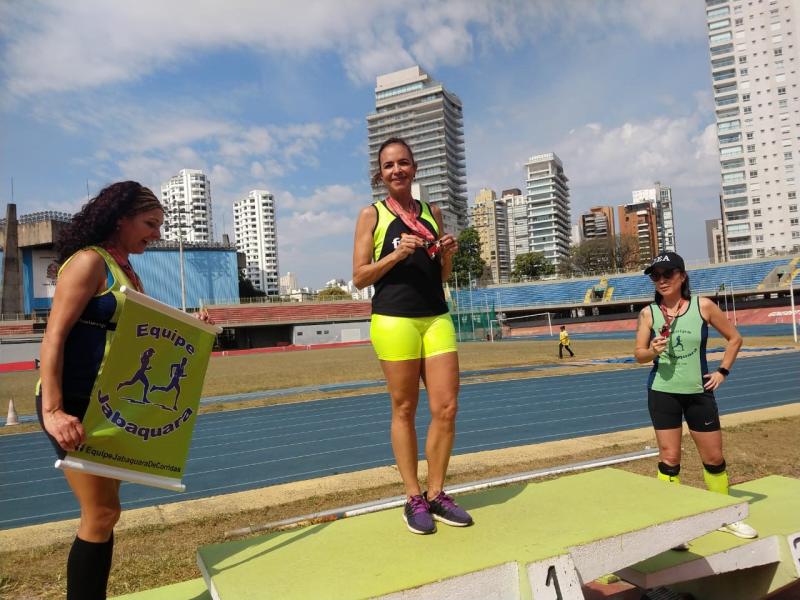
[(667, 410), (73, 405)]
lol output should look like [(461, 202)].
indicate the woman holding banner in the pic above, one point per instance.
[(401, 248), (93, 250)]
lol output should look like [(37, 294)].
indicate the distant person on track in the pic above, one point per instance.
[(563, 342), (672, 333), (93, 250), (401, 248)]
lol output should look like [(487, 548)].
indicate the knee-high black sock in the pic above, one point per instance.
[(88, 566)]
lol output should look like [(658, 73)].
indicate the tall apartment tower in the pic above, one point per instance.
[(547, 195), (488, 217), (639, 220), (516, 208), (754, 57), (187, 200), (411, 105), (597, 223), (661, 198), (256, 234), (715, 240)]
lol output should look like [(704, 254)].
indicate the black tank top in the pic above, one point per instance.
[(413, 287)]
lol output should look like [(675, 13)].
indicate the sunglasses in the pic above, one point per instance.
[(665, 274)]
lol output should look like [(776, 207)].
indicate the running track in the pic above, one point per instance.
[(247, 449)]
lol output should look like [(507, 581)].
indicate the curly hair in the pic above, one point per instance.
[(376, 177), (97, 220)]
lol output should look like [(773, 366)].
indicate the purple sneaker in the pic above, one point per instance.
[(417, 516), (444, 509)]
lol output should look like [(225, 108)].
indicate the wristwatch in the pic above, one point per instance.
[(724, 371)]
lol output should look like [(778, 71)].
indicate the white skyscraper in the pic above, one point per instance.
[(547, 196), (256, 234), (516, 224), (187, 200), (754, 60), (411, 105), (660, 196)]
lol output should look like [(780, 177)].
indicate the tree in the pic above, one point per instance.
[(601, 256), (332, 293), (627, 254), (467, 262), (531, 265), (247, 289)]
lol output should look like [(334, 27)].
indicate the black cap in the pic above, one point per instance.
[(667, 260)]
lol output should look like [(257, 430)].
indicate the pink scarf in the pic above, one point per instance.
[(126, 267), (411, 220)]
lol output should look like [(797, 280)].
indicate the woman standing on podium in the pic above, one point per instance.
[(672, 333), (401, 248), (93, 251)]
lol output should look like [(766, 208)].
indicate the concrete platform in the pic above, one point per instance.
[(538, 540), (721, 566)]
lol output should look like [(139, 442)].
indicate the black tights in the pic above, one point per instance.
[(88, 566)]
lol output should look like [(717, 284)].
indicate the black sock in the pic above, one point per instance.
[(88, 566)]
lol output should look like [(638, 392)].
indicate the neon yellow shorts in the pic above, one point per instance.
[(407, 338)]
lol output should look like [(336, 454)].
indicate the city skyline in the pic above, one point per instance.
[(274, 98)]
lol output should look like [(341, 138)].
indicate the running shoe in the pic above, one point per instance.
[(417, 516), (740, 529), (444, 509)]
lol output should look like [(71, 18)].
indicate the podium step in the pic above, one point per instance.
[(724, 566), (527, 541), (194, 589)]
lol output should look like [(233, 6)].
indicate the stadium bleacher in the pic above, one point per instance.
[(239, 314), (702, 280), (632, 286), (545, 294)]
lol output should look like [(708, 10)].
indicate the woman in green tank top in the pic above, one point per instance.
[(672, 333), (121, 220)]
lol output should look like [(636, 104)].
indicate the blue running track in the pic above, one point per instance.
[(252, 448)]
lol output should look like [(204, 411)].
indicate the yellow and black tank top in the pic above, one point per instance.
[(413, 287), (87, 343)]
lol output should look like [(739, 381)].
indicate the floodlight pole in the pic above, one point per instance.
[(794, 316), (458, 306), (733, 302), (180, 259)]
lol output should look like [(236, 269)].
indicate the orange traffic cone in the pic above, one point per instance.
[(12, 419)]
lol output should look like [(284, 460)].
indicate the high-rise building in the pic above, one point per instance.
[(639, 220), (287, 283), (715, 240), (597, 222), (661, 198), (754, 58), (488, 217), (516, 224), (187, 201), (411, 105), (547, 195), (255, 230)]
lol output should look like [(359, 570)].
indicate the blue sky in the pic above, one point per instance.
[(275, 95)]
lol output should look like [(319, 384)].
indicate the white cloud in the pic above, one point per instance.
[(58, 46)]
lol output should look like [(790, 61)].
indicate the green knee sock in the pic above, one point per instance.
[(669, 473), (716, 478)]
